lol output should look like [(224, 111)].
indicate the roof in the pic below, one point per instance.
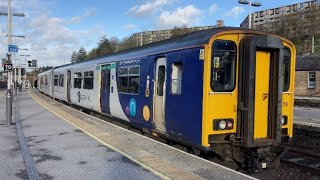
[(308, 63), (193, 39)]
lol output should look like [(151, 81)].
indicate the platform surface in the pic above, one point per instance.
[(65, 143)]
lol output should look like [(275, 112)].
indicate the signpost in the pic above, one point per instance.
[(13, 48), (7, 67)]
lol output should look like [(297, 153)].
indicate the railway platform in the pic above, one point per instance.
[(50, 140)]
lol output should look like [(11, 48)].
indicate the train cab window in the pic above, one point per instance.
[(129, 79), (88, 80), (61, 79), (161, 79), (286, 68), (223, 66), (56, 80), (176, 78), (77, 81)]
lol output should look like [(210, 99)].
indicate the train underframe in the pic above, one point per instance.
[(266, 155)]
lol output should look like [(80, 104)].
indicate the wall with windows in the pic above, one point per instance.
[(307, 83)]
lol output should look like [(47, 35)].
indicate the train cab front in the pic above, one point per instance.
[(249, 100)]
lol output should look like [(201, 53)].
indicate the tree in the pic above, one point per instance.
[(82, 54), (74, 57), (105, 47), (178, 31), (128, 43)]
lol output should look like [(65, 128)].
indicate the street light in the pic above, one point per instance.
[(13, 14), (250, 3), (9, 93)]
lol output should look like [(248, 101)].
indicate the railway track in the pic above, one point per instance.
[(309, 162)]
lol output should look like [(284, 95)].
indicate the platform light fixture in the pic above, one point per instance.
[(250, 3)]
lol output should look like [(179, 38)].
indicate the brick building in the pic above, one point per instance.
[(307, 82)]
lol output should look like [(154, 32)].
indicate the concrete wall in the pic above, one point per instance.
[(301, 84)]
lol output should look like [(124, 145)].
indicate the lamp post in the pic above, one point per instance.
[(250, 3), (9, 93)]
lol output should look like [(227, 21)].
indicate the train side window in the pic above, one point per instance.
[(286, 68), (223, 66), (41, 80), (129, 79), (55, 80), (77, 81), (134, 80), (123, 79), (46, 80), (61, 80), (176, 78), (88, 80), (161, 79)]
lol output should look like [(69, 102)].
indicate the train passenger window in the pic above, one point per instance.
[(46, 80), (61, 79), (286, 68), (77, 81), (176, 78), (223, 66), (161, 79), (129, 79), (88, 80), (55, 80)]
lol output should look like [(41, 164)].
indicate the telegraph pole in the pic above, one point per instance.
[(9, 93)]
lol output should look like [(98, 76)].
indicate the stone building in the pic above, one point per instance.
[(147, 37), (307, 82), (262, 18)]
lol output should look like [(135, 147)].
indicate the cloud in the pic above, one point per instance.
[(128, 26), (188, 15), (213, 9), (49, 39), (75, 19), (148, 8), (235, 12), (90, 12)]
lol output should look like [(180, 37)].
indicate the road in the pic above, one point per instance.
[(307, 114)]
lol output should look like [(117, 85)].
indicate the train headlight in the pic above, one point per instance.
[(284, 120), (222, 124)]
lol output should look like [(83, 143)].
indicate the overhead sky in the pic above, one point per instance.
[(54, 28)]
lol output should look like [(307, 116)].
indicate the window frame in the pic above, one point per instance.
[(235, 66), (88, 77), (81, 79), (128, 75), (55, 79), (289, 79), (314, 73), (61, 76), (171, 80)]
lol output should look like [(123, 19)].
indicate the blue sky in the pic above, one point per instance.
[(54, 28)]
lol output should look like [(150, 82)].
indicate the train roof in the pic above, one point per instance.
[(193, 39)]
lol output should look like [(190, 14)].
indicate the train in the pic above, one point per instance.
[(227, 90)]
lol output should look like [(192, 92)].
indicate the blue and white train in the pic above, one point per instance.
[(227, 90)]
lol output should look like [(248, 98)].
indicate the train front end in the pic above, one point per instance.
[(248, 97)]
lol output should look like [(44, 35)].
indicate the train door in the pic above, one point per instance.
[(262, 94), (160, 94), (69, 85), (105, 88), (260, 89)]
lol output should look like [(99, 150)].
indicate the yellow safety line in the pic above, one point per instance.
[(106, 144)]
